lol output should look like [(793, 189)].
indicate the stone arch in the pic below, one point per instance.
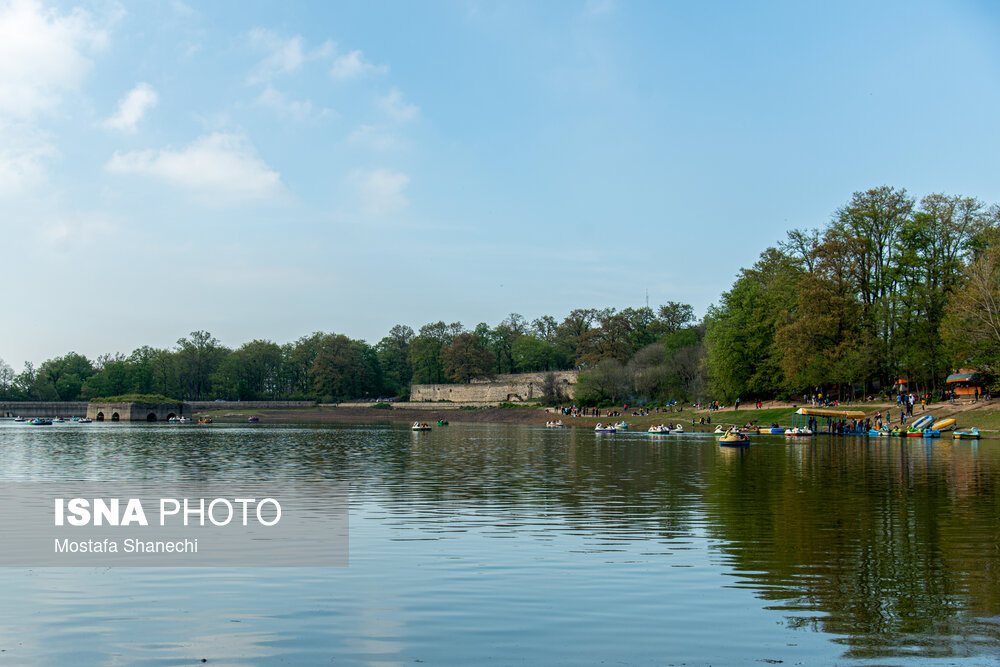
[(100, 416), (151, 417), (115, 417)]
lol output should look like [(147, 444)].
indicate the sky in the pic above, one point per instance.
[(267, 170)]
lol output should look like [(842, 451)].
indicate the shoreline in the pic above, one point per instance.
[(984, 414)]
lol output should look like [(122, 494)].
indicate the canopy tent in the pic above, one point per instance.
[(836, 414), (963, 377), (823, 420)]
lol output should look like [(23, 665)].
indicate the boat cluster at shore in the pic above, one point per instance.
[(49, 421)]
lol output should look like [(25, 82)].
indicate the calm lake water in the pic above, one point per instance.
[(518, 545)]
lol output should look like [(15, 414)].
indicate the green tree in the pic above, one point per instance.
[(972, 323), (297, 365), (345, 369), (674, 316), (425, 351), (197, 358), (607, 381), (62, 378), (394, 358), (534, 354), (466, 358), (742, 356), (868, 229), (7, 376)]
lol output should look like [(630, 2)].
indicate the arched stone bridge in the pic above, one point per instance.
[(137, 412)]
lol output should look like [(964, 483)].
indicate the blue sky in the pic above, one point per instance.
[(266, 170)]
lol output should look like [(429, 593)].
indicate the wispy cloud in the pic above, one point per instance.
[(595, 8), (271, 98), (395, 107), (43, 55), (220, 166), (23, 154), (74, 231), (132, 108), (284, 55), (43, 58), (353, 66), (374, 137), (380, 191)]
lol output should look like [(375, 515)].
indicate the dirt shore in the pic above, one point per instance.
[(984, 414)]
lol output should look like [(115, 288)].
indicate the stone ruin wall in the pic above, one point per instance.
[(513, 387)]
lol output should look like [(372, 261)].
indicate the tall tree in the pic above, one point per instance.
[(743, 358), (466, 358), (198, 357), (394, 357), (345, 369)]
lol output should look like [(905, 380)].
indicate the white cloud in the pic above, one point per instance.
[(394, 106), (380, 191), (132, 108), (278, 101), (285, 55), (42, 55), (43, 58), (183, 10), (23, 153), (595, 8), (76, 231), (220, 166), (353, 65), (373, 136)]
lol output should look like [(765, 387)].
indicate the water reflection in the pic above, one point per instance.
[(862, 549), (887, 543)]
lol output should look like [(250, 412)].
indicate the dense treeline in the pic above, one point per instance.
[(889, 288), (332, 367)]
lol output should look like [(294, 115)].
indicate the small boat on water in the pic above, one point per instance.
[(555, 424), (420, 426), (253, 420), (774, 430), (922, 423), (40, 421), (971, 434), (84, 420), (601, 428), (20, 419), (719, 430), (796, 431), (442, 422), (734, 439), (621, 426), (659, 429), (58, 420), (204, 420)]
